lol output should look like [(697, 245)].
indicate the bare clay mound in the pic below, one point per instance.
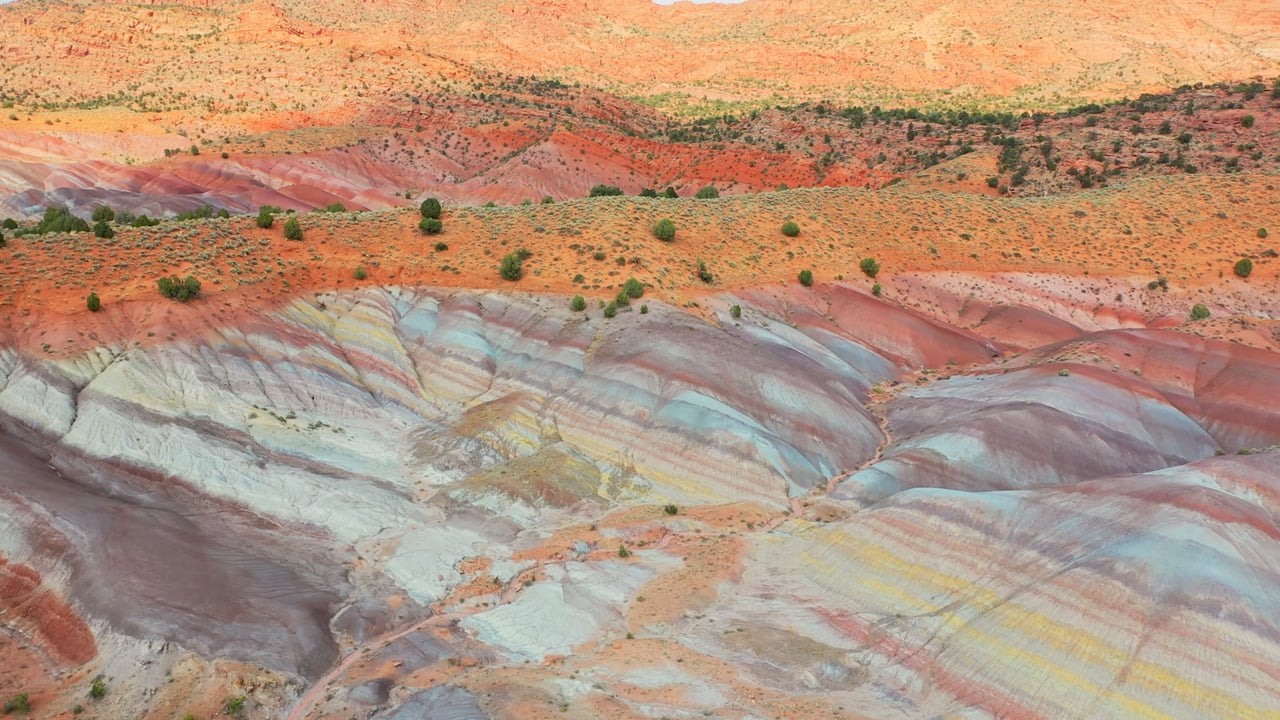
[(139, 554)]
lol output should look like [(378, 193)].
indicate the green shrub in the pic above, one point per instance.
[(703, 273), (876, 289), (195, 149), (735, 311), (361, 273), (512, 267), (1247, 121), (430, 209), (1262, 233), (93, 302), (234, 706), (2, 240), (1199, 312), (98, 690), (430, 226), (623, 552), (622, 299), (442, 246), (265, 218), (102, 213), (102, 229), (1244, 267), (649, 193), (790, 229), (633, 287), (336, 207), (548, 200), (665, 230), (806, 278), (644, 309), (670, 509), (578, 303), (604, 191), (611, 309), (707, 192), (293, 229), (670, 193), (9, 224), (203, 212), (181, 290), (598, 255), (20, 703), (869, 266), (60, 220)]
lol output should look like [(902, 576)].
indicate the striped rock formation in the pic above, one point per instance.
[(453, 500)]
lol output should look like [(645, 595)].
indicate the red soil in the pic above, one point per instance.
[(35, 611)]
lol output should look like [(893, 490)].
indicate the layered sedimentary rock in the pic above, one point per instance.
[(1150, 595), (429, 501), (341, 414)]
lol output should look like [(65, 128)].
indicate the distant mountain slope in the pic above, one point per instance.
[(334, 53)]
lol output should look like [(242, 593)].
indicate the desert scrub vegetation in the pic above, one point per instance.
[(93, 302), (20, 703), (234, 706), (181, 290), (806, 278), (55, 220), (511, 268), (604, 191), (430, 209), (707, 192), (578, 303), (633, 288), (293, 230), (665, 230), (870, 267), (790, 229), (266, 217), (1199, 312), (361, 273), (430, 226), (1243, 268)]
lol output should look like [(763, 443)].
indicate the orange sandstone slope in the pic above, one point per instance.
[(1078, 256), (326, 58)]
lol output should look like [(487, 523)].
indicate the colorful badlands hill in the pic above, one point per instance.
[(424, 501)]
